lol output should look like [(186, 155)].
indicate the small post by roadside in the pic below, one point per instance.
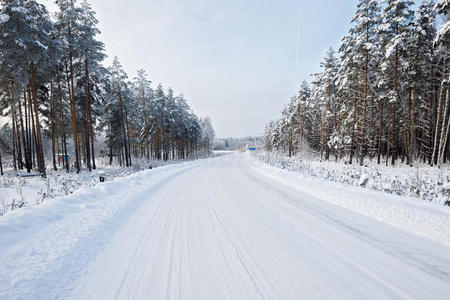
[(102, 176)]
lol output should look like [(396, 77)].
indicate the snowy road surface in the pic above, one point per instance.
[(212, 229)]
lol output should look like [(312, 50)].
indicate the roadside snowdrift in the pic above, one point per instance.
[(91, 204)]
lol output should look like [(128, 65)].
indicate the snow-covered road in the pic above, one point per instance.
[(213, 229)]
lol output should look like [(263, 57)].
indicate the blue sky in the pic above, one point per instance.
[(235, 61)]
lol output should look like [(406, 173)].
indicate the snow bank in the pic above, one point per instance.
[(425, 218), (92, 203), (18, 191), (423, 182)]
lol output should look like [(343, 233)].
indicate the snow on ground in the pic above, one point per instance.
[(426, 218), (229, 227), (50, 244), (18, 189), (421, 181)]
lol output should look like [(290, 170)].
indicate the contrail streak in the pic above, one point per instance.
[(298, 34)]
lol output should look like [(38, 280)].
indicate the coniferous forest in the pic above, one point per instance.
[(57, 96), (383, 96)]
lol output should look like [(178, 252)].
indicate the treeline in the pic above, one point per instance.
[(384, 95), (54, 86), (237, 143)]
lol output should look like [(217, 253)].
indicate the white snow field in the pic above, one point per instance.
[(221, 228)]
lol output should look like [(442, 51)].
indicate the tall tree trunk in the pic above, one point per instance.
[(110, 146), (444, 129), (15, 127), (327, 149), (430, 107), (407, 140), (87, 117), (413, 120), (124, 131), (14, 140), (172, 142), (437, 127), (60, 150), (352, 145), (23, 134), (290, 143), (128, 137), (403, 141), (363, 125), (439, 119), (28, 163), (73, 115), (92, 140), (388, 137), (19, 144), (147, 143), (63, 126), (91, 128), (163, 138), (372, 132), (52, 126), (33, 129), (393, 111), (80, 145), (39, 148), (380, 132)]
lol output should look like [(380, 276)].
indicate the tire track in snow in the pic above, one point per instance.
[(143, 239), (320, 212)]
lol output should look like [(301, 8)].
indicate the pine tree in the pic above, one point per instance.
[(326, 93), (442, 44), (68, 25), (26, 33), (366, 22), (348, 82), (395, 29), (119, 87), (144, 97), (92, 51)]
